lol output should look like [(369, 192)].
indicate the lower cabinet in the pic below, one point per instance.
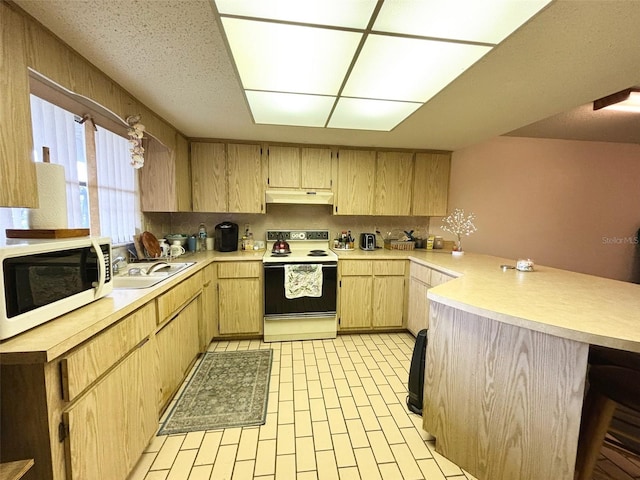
[(240, 302), (178, 344), (421, 279), (112, 423), (372, 294), (209, 318)]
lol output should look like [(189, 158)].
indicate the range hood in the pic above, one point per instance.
[(303, 197)]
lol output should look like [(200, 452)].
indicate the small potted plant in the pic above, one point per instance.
[(459, 224)]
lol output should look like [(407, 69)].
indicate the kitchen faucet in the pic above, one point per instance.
[(115, 266)]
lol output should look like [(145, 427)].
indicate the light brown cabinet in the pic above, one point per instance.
[(372, 294), (111, 425), (227, 177), (17, 171), (394, 182), (209, 177), (356, 182), (431, 184), (303, 168), (165, 180), (421, 279), (240, 305), (209, 317)]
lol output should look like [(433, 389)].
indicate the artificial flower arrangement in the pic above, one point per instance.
[(459, 224), (136, 132)]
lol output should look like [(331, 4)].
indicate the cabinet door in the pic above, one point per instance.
[(431, 184), (418, 309), (178, 345), (239, 306), (209, 177), (284, 167), (394, 182), (388, 301), (246, 190), (355, 302), (111, 425), (17, 171), (209, 317), (183, 174), (356, 182), (316, 169)]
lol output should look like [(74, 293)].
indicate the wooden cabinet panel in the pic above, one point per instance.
[(17, 171), (431, 184), (209, 177), (356, 267), (183, 174), (246, 190), (284, 167), (84, 365), (355, 302), (356, 182), (209, 317), (389, 267), (394, 182), (421, 272), (170, 301), (110, 427), (316, 169), (438, 278), (388, 301), (239, 269), (240, 306), (418, 305), (178, 345)]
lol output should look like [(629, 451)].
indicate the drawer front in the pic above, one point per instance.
[(239, 269), (438, 278), (389, 267), (85, 364), (171, 301), (356, 267), (420, 272)]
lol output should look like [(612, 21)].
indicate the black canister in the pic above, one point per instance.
[(226, 237)]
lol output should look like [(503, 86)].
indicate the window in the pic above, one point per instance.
[(102, 187)]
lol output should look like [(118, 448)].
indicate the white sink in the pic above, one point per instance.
[(137, 275)]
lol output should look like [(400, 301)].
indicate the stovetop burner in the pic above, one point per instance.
[(317, 253), (275, 254)]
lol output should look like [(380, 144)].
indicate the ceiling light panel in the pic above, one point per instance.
[(486, 21), (631, 104), (363, 114), (340, 13), (289, 108), (408, 69), (290, 58)]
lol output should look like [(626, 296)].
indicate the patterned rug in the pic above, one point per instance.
[(228, 389)]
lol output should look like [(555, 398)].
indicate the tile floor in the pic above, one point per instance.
[(336, 411)]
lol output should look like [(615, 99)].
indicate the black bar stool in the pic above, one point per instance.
[(610, 386)]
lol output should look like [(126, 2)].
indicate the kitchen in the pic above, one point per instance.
[(521, 236)]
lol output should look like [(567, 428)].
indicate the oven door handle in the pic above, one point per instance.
[(281, 265)]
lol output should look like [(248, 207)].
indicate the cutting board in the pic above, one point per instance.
[(47, 233)]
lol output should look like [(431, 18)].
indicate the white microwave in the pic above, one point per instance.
[(43, 279)]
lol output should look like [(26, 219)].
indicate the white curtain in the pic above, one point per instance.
[(118, 197), (55, 128)]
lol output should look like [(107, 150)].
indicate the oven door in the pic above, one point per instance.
[(277, 305)]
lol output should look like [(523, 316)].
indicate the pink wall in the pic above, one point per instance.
[(567, 204)]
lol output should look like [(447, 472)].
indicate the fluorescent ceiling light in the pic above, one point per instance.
[(366, 114), (346, 56), (290, 58), (624, 101), (338, 13), (408, 69), (485, 21), (290, 108)]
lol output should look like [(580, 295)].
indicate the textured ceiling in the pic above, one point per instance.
[(170, 54)]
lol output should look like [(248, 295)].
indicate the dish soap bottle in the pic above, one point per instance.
[(202, 237)]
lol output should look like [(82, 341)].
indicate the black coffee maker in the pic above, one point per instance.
[(226, 237)]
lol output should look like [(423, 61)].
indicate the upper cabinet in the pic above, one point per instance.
[(299, 168), (17, 171), (165, 184), (394, 180), (245, 187), (356, 182), (209, 177), (227, 177), (431, 184)]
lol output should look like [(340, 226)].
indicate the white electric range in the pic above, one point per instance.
[(300, 288)]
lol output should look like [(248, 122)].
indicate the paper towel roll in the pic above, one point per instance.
[(52, 194)]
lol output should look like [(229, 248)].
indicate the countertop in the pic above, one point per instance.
[(567, 304)]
